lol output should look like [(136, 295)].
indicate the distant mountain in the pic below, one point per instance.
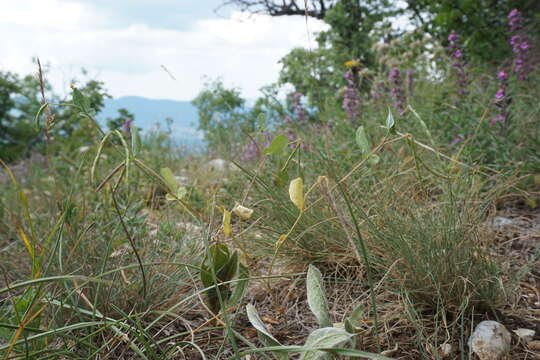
[(149, 112)]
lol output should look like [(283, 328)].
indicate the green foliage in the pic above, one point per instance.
[(482, 23), (318, 73), (18, 104), (222, 116), (218, 267), (124, 116), (21, 100), (320, 343)]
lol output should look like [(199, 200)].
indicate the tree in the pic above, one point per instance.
[(315, 8), (222, 116), (318, 73), (483, 24), (124, 117), (20, 101)]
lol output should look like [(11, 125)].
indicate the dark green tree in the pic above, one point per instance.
[(20, 101), (483, 24), (222, 115), (124, 117)]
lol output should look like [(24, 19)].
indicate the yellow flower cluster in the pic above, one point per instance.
[(352, 63)]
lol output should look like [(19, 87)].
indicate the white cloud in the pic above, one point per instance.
[(68, 35)]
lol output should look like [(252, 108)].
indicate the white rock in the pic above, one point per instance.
[(182, 180), (525, 334), (499, 221), (445, 350), (490, 340), (220, 165)]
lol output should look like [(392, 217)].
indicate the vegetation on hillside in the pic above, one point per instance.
[(376, 202)]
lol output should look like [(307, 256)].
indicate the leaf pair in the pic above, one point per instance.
[(175, 192), (218, 267), (326, 337)]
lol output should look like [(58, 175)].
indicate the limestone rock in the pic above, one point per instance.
[(490, 340), (525, 334), (220, 165)]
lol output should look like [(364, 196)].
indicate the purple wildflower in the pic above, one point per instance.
[(459, 63), (519, 43), (502, 75), (297, 107), (250, 151), (502, 101), (350, 97), (496, 119), (457, 139), (126, 126), (397, 90)]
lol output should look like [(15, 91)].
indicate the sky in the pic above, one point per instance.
[(161, 49)]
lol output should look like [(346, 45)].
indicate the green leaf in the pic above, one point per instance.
[(390, 122), (373, 159), (278, 145), (316, 297), (81, 101), (241, 285), (328, 337), (169, 178), (257, 323), (181, 193), (281, 179), (135, 140), (357, 313), (362, 140), (36, 118), (227, 272)]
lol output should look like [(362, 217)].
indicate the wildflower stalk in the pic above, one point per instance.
[(397, 90), (519, 43), (458, 63), (351, 102), (502, 101)]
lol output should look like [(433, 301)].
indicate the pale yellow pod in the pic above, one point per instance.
[(227, 228), (296, 193), (243, 212)]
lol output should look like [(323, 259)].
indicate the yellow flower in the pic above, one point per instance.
[(352, 63)]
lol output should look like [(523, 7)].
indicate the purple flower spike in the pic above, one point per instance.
[(496, 119), (297, 107), (502, 75), (458, 64), (519, 43), (397, 90), (351, 102), (502, 101), (126, 126)]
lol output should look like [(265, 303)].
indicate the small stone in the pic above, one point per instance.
[(499, 221), (490, 340), (525, 334), (445, 350), (534, 345), (220, 165)]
